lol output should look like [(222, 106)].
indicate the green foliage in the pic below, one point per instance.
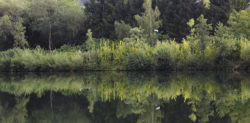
[(11, 33), (166, 55), (175, 14), (240, 23), (140, 58), (51, 24), (105, 55), (229, 47), (219, 54), (70, 48), (206, 3), (121, 30), (149, 21), (221, 34), (245, 51), (103, 13), (239, 4), (202, 31), (53, 20), (222, 48), (40, 60), (14, 8), (90, 44), (135, 34), (218, 12)]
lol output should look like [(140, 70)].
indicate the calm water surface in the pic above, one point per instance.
[(125, 97)]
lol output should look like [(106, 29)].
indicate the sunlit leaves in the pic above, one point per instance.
[(149, 21), (240, 23)]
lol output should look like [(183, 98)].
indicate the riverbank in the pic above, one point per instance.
[(169, 56)]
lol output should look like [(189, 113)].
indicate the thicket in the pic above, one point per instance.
[(168, 55), (207, 47), (53, 23)]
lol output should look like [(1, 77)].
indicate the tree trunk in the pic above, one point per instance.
[(50, 36), (51, 103)]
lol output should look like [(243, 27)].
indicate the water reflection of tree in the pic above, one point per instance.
[(146, 109), (66, 109), (13, 109), (209, 97)]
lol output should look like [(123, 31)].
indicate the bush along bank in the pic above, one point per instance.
[(231, 54)]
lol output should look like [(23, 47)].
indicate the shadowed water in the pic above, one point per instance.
[(125, 97)]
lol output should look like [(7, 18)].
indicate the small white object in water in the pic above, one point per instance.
[(158, 108)]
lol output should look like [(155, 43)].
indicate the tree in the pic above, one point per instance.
[(218, 11), (202, 31), (42, 13), (122, 30), (90, 44), (175, 14), (135, 34), (239, 4), (11, 24), (70, 19), (149, 21), (57, 20), (102, 15), (240, 23), (11, 34), (221, 33), (14, 8)]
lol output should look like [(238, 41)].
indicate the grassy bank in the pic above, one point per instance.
[(168, 55)]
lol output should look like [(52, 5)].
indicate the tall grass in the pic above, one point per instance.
[(140, 57), (245, 53), (40, 60), (166, 55), (133, 55)]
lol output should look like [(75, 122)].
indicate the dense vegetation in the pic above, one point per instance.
[(124, 35)]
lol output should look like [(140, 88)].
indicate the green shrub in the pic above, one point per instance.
[(105, 55), (138, 60), (210, 55), (121, 30), (140, 57), (166, 55), (119, 56), (133, 55), (240, 23), (186, 56), (69, 48), (245, 53)]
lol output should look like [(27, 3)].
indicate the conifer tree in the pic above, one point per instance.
[(240, 23), (90, 44), (149, 21), (202, 31)]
